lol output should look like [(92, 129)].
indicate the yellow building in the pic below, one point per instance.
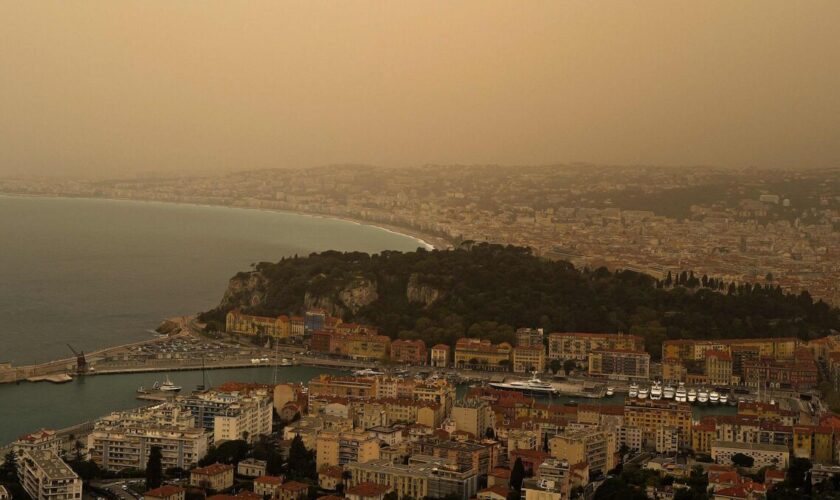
[(246, 324), (216, 477), (332, 448), (597, 448), (718, 367), (345, 387), (619, 364), (579, 345), (703, 436), (685, 350), (482, 354), (650, 415), (673, 370), (528, 359), (474, 416), (823, 445)]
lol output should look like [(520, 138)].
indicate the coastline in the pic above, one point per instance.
[(427, 241)]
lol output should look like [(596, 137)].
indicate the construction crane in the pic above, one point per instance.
[(81, 362)]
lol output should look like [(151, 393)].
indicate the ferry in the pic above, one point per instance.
[(681, 395), (702, 396), (692, 395), (656, 391), (534, 386), (643, 393), (668, 392), (633, 391), (367, 372), (610, 391), (714, 397)]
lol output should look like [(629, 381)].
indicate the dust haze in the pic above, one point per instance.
[(109, 88)]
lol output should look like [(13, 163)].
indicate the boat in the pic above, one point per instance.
[(702, 396), (692, 395), (167, 386), (714, 397), (142, 390), (285, 362), (668, 392), (367, 372), (610, 391), (724, 398), (681, 395), (533, 386), (633, 391), (643, 393), (656, 391)]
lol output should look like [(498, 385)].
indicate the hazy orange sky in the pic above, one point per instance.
[(118, 87)]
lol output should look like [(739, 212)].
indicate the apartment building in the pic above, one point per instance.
[(45, 476), (422, 477), (718, 369), (215, 477), (334, 448), (247, 419), (619, 364), (345, 387), (364, 345), (474, 416), (124, 439), (267, 486), (764, 455), (481, 455), (440, 356), (530, 337), (165, 492), (597, 448), (695, 350), (527, 359), (577, 346), (650, 415), (482, 354), (246, 324), (412, 352), (44, 439)]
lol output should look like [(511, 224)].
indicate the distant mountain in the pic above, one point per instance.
[(487, 291)]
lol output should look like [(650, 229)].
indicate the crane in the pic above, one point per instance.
[(81, 362)]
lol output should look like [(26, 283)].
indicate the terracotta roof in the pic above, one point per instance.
[(332, 471), (294, 486), (212, 470), (167, 490), (269, 480), (368, 489), (500, 472), (498, 489)]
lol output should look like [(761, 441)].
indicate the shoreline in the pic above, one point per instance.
[(427, 241)]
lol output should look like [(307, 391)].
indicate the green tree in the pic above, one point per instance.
[(798, 471), (9, 469), (301, 461), (555, 365), (517, 475), (154, 468), (569, 365), (741, 460)]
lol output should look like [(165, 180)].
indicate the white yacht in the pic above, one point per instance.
[(367, 372), (724, 398), (167, 386), (702, 396), (656, 391), (714, 397), (610, 391), (692, 395), (668, 392), (681, 395), (633, 391), (533, 386), (643, 393), (285, 362)]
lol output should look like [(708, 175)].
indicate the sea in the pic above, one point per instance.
[(94, 273)]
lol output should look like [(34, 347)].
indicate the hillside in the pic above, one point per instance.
[(489, 290)]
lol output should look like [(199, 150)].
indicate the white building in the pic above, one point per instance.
[(764, 455), (667, 439), (45, 476), (247, 419)]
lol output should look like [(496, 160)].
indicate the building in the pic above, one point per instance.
[(251, 467), (474, 416), (764, 455), (577, 346), (412, 352), (353, 343), (45, 476), (248, 418), (334, 448), (482, 456), (4, 493), (649, 416), (246, 324), (314, 320), (293, 490), (124, 439), (718, 367), (330, 476), (530, 337), (367, 491), (597, 448), (44, 439), (216, 477), (482, 355), (541, 489), (668, 439), (421, 477), (695, 350), (267, 486), (528, 359), (165, 492), (440, 356), (619, 364), (345, 387)]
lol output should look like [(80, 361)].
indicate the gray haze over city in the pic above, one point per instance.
[(118, 88)]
